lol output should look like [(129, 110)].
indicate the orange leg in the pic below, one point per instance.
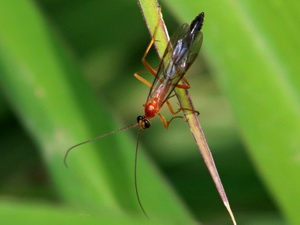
[(149, 68), (171, 108), (144, 61), (142, 80), (146, 64), (182, 86), (180, 109), (186, 84), (165, 122)]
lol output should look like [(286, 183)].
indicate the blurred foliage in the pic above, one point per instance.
[(66, 75)]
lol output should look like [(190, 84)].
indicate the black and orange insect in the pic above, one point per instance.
[(179, 55)]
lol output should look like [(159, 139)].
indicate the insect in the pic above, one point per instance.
[(179, 55)]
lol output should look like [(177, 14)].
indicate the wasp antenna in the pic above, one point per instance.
[(135, 173), (96, 138)]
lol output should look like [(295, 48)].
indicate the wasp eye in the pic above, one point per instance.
[(146, 123), (139, 118)]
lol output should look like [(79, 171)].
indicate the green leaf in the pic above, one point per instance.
[(185, 101), (47, 91), (12, 213), (253, 48)]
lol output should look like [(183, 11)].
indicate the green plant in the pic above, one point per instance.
[(250, 48)]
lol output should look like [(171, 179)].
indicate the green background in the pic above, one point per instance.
[(66, 76)]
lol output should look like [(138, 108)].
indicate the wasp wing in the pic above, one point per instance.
[(180, 53), (163, 72)]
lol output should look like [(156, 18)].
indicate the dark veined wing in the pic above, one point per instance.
[(180, 53), (167, 58), (183, 61), (191, 54)]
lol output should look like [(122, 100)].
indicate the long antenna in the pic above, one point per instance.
[(135, 173), (96, 138)]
